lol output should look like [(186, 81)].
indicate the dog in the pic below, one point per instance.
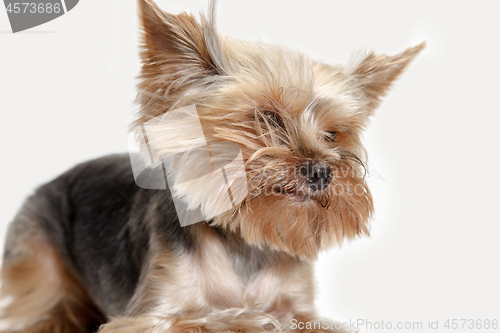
[(93, 251)]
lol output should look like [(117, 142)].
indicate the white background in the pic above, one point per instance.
[(67, 90)]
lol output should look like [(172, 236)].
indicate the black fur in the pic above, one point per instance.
[(100, 221)]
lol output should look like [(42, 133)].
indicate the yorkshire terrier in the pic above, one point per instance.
[(92, 251)]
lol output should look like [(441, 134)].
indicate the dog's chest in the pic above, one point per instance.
[(218, 274), (240, 277)]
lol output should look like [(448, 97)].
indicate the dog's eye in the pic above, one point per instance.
[(331, 136), (274, 119)]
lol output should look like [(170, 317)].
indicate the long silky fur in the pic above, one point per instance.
[(91, 247)]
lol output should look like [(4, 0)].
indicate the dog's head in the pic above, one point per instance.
[(296, 121)]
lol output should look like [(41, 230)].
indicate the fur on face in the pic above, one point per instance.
[(283, 110)]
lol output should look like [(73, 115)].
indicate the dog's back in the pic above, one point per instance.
[(77, 246)]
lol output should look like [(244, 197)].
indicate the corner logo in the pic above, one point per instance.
[(27, 14)]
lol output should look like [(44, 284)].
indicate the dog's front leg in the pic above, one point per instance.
[(225, 321), (286, 291)]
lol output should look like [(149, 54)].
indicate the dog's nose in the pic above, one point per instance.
[(318, 175)]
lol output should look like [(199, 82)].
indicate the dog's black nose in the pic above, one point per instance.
[(318, 175)]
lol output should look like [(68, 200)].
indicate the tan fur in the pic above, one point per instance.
[(377, 72), (44, 296)]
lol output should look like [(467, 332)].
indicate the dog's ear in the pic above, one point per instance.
[(175, 58), (173, 46), (375, 73)]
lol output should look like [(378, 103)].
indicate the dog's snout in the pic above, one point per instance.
[(318, 175)]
